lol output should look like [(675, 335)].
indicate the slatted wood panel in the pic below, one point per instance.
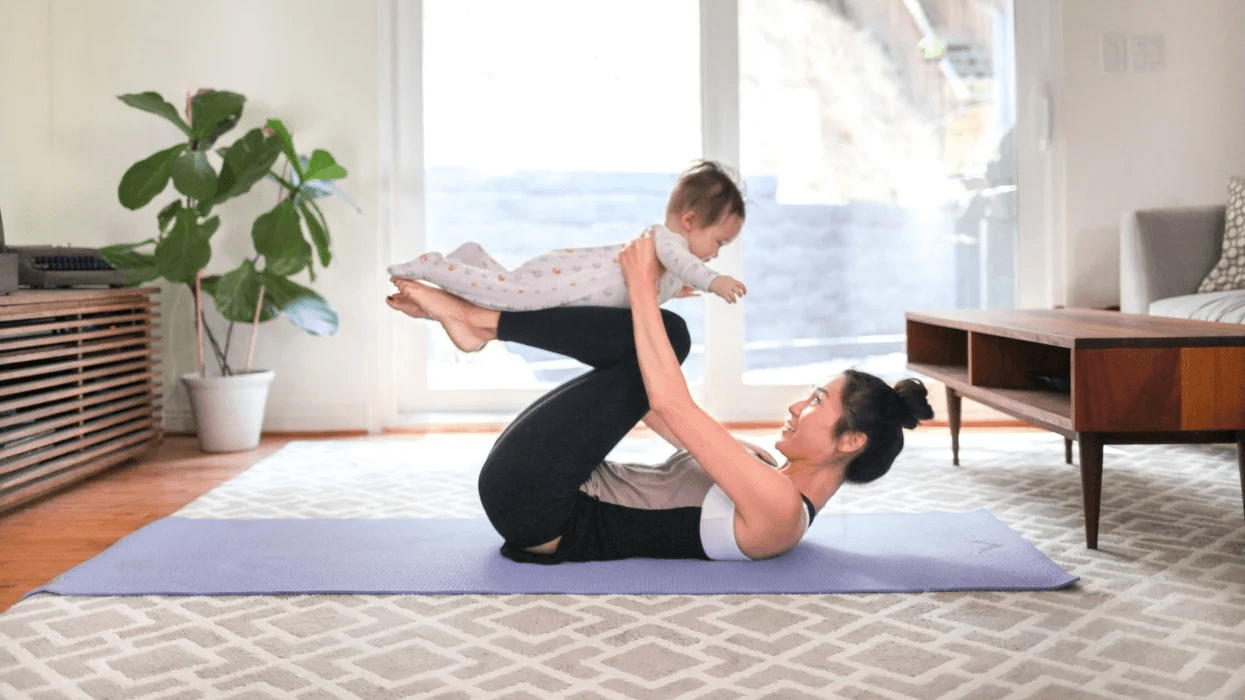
[(79, 387)]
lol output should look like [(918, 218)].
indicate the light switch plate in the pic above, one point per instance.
[(1114, 53), (1147, 53)]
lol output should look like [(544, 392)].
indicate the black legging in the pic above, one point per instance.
[(529, 482)]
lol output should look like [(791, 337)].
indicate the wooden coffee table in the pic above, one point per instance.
[(1097, 377)]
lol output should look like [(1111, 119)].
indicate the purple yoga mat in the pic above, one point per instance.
[(871, 553)]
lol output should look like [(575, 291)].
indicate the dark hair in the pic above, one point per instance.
[(880, 412), (710, 189)]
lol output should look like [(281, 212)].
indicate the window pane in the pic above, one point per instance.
[(552, 124), (881, 173)]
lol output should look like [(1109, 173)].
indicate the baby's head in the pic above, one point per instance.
[(706, 207)]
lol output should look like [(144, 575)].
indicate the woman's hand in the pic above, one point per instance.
[(640, 267)]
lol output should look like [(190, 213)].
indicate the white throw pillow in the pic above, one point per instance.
[(1229, 272)]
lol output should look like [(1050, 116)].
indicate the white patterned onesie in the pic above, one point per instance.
[(564, 277)]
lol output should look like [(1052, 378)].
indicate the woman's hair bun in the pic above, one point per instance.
[(914, 404)]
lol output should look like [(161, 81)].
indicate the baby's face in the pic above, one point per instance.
[(704, 242)]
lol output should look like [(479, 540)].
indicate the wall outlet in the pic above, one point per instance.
[(1114, 53), (1147, 54)]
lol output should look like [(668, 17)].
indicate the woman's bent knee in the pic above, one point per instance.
[(676, 330)]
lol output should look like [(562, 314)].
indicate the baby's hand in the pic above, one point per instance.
[(728, 288)]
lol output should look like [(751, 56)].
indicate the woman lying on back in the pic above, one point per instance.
[(549, 492)]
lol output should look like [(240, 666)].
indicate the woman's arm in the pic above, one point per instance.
[(768, 517), (657, 425)]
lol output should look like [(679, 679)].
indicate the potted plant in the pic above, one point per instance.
[(288, 240)]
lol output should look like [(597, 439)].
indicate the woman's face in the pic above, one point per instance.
[(808, 435)]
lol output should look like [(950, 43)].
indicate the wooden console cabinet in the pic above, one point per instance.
[(79, 386)]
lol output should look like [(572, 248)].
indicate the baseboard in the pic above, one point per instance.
[(347, 418), (178, 422)]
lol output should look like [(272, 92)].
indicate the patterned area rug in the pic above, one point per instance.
[(1159, 611)]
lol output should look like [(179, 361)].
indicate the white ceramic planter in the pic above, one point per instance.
[(228, 411)]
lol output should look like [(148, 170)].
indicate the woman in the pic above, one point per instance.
[(548, 491)]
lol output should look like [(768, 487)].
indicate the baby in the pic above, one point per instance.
[(705, 212)]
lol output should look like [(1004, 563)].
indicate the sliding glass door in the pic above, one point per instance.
[(550, 124), (875, 140)]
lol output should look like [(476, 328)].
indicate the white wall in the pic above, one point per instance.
[(65, 141), (1144, 139), (1122, 142)]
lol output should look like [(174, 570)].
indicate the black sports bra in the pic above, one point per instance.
[(812, 512)]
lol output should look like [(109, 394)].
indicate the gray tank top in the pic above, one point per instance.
[(678, 482)]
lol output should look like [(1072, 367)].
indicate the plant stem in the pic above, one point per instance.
[(229, 338), (284, 172), (222, 359), (202, 330), (250, 351), (199, 322), (288, 185)]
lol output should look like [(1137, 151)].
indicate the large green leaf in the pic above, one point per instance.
[(287, 145), (313, 188), (139, 268), (212, 113), (305, 309), (125, 247), (237, 292), (223, 126), (154, 103), (184, 250), (323, 167), (193, 175), (165, 217), (318, 229), (247, 160), (147, 178), (278, 236)]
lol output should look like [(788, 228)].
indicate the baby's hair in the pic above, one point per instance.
[(710, 189)]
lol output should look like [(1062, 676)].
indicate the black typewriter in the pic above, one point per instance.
[(44, 267)]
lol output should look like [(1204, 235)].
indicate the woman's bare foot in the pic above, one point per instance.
[(468, 326), (407, 305)]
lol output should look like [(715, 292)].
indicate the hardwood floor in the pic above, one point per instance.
[(47, 537)]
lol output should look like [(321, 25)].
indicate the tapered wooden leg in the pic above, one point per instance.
[(953, 420), (1240, 461), (1067, 450), (1091, 483)]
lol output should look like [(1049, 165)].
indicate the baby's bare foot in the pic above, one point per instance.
[(450, 311), (407, 305)]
